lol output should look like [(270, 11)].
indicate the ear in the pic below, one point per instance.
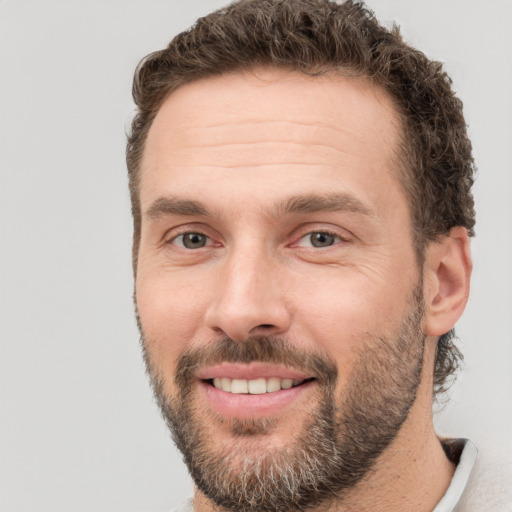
[(447, 272)]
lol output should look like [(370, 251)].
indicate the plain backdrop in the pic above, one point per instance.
[(79, 430)]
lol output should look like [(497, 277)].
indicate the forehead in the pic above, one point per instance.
[(271, 129)]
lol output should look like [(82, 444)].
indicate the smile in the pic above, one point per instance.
[(252, 390), (258, 386)]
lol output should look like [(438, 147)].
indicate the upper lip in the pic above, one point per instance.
[(254, 370)]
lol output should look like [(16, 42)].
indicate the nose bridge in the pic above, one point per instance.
[(246, 270), (249, 299)]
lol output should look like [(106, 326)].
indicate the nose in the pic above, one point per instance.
[(249, 299)]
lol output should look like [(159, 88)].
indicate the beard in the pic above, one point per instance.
[(338, 441)]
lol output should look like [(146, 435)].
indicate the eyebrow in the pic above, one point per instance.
[(299, 204), (172, 205), (313, 203)]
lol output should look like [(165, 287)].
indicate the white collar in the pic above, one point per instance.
[(460, 477)]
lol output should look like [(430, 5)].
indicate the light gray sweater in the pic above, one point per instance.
[(489, 487)]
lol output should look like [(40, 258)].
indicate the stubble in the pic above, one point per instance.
[(338, 442)]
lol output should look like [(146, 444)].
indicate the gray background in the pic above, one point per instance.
[(79, 431)]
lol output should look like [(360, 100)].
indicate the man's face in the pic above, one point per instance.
[(276, 251)]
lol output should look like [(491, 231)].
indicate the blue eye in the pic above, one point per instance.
[(191, 240), (319, 239)]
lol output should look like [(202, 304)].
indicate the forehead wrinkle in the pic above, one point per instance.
[(312, 121), (263, 142), (293, 132)]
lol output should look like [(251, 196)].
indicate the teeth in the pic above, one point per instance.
[(239, 386), (273, 384), (255, 386), (286, 383), (225, 385)]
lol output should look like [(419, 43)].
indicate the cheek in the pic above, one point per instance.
[(170, 311), (352, 309)]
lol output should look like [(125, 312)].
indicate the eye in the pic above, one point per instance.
[(191, 240), (319, 239)]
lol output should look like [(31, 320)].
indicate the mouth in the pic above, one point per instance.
[(254, 390), (257, 386)]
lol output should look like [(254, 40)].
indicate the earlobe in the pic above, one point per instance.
[(447, 273)]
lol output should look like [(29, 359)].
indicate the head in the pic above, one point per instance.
[(342, 303), (434, 162)]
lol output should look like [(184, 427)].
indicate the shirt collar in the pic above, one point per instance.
[(465, 451)]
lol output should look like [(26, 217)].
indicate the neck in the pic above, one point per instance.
[(412, 475)]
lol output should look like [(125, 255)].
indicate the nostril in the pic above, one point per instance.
[(263, 330)]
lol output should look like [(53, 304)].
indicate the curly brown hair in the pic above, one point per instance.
[(317, 36)]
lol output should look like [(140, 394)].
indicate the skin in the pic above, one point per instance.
[(242, 145)]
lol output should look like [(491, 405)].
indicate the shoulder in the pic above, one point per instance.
[(186, 506), (489, 488)]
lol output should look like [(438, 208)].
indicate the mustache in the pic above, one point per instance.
[(265, 349)]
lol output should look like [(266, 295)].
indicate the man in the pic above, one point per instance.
[(301, 192)]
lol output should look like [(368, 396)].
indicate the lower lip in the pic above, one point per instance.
[(246, 405)]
